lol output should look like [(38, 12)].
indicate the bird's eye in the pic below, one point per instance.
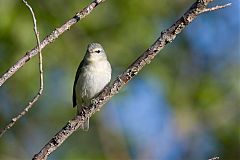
[(98, 51)]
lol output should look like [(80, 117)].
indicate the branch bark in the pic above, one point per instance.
[(36, 97), (49, 39), (167, 36)]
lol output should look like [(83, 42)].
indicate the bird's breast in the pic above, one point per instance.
[(92, 80)]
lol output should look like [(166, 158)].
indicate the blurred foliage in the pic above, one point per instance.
[(198, 72)]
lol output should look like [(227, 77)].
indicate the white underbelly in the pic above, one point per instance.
[(90, 84)]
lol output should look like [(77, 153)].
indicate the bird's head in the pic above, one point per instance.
[(95, 52)]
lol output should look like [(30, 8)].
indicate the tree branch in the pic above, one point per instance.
[(36, 97), (214, 158), (49, 39), (166, 37), (216, 7)]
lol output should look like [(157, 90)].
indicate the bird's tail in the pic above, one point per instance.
[(85, 125)]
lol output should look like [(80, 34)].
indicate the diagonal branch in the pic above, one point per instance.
[(216, 7), (49, 39), (36, 97), (214, 158), (167, 36)]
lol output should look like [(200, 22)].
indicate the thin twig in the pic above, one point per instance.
[(49, 39), (35, 99), (166, 37), (214, 158), (216, 7)]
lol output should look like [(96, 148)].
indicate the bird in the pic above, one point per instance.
[(93, 74)]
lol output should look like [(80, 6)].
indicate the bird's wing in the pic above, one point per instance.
[(74, 100)]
